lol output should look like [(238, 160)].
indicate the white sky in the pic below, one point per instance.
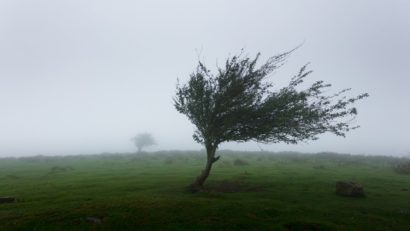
[(85, 76)]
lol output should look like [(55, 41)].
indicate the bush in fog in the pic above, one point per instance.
[(143, 140), (57, 169), (403, 168)]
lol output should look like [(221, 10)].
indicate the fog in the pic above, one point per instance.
[(86, 76)]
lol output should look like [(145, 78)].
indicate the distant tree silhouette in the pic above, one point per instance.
[(143, 140), (237, 103)]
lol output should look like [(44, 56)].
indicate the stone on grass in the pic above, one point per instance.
[(4, 200), (94, 220), (349, 189)]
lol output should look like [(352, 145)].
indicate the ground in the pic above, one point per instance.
[(267, 191)]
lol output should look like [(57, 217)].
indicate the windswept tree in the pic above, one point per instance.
[(143, 140), (238, 103)]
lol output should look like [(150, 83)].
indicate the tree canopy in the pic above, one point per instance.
[(238, 103), (143, 140)]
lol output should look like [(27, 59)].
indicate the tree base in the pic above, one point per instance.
[(195, 188)]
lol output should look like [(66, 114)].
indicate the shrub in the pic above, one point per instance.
[(403, 168), (60, 169)]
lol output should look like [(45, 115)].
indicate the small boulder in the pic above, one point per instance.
[(4, 200), (94, 220), (350, 189)]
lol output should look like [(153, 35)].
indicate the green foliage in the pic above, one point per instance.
[(239, 104)]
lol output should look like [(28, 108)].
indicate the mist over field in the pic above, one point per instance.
[(80, 77)]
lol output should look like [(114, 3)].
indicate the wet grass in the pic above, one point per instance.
[(272, 191)]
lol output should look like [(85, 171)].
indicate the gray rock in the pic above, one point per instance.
[(349, 189), (94, 220)]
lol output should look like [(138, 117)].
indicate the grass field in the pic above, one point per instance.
[(265, 191)]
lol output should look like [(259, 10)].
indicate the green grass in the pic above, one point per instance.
[(275, 191)]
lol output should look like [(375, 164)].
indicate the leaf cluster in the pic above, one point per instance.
[(239, 104)]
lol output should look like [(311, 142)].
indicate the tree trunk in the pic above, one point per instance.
[(197, 185)]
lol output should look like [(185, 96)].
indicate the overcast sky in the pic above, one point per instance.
[(85, 76)]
